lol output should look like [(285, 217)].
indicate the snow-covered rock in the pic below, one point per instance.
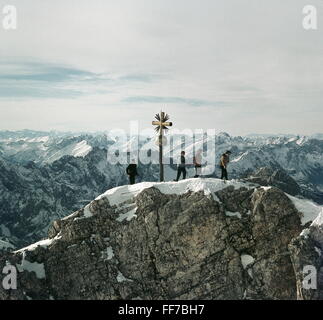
[(195, 239)]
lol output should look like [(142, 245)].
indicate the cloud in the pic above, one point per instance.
[(171, 100), (38, 80), (47, 74), (146, 78), (26, 79)]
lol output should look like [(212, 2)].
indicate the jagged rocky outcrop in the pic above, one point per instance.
[(197, 239), (306, 254), (275, 177)]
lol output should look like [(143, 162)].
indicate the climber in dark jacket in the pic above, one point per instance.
[(224, 164), (181, 166), (132, 172)]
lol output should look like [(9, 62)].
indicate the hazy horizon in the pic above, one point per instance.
[(153, 133)]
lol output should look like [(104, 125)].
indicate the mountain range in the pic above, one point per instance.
[(44, 175)]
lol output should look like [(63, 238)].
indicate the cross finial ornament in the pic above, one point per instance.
[(162, 122), (161, 125)]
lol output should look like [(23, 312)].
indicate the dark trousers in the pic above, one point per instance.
[(198, 169), (132, 178), (181, 170), (224, 173)]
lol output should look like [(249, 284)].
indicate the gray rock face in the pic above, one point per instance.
[(306, 254), (32, 196), (277, 178), (232, 244)]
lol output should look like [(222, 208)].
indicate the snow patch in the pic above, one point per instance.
[(86, 212), (301, 140), (233, 214), (319, 219), (108, 254), (128, 215), (81, 149), (36, 267), (74, 214), (118, 195), (310, 210), (76, 149), (246, 260), (265, 188), (318, 251), (43, 243), (122, 278), (215, 197), (240, 157), (305, 233), (72, 246), (39, 139)]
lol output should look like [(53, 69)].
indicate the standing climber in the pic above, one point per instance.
[(197, 161), (181, 166), (225, 159), (132, 172)]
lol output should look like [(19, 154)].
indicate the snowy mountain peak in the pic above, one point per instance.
[(208, 186), (224, 134)]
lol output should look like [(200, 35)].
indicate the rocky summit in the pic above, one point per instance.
[(195, 239)]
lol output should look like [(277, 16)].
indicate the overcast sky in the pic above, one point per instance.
[(240, 66)]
